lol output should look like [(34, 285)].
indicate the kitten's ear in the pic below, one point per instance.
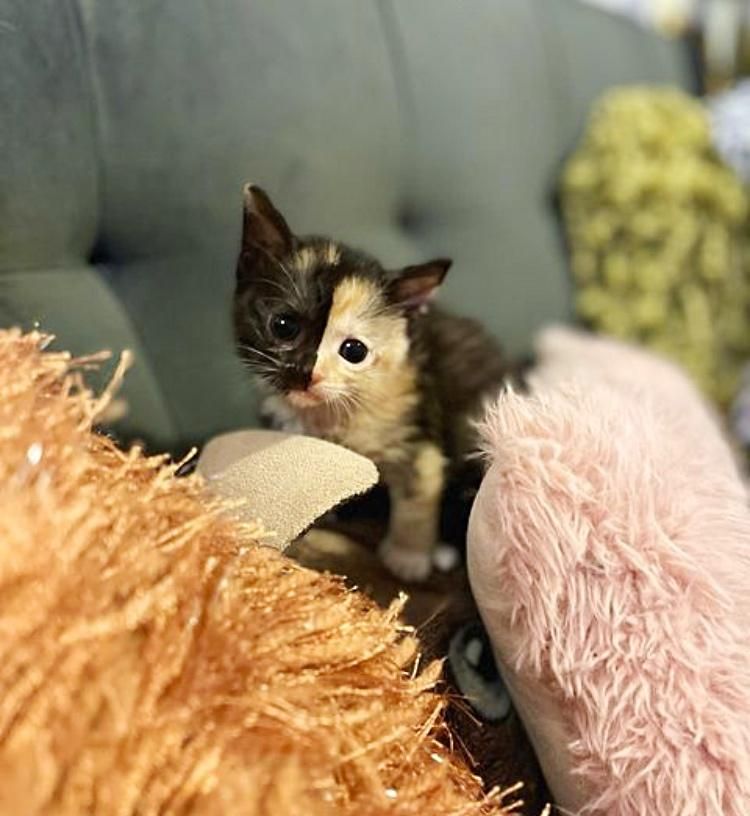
[(263, 225), (414, 286)]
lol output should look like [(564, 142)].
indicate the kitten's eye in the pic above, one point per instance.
[(285, 327), (353, 350)]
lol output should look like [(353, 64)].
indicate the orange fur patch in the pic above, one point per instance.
[(307, 259), (378, 394), (354, 299), (331, 254)]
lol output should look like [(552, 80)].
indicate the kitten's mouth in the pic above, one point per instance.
[(304, 399)]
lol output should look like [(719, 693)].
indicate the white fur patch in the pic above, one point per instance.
[(408, 565), (277, 414)]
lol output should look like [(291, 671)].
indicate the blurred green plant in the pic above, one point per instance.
[(659, 231)]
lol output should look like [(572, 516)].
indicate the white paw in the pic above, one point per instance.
[(445, 558), (408, 565), (277, 415)]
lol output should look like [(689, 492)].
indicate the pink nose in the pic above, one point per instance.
[(315, 379)]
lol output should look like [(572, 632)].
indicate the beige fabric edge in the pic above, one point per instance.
[(285, 481)]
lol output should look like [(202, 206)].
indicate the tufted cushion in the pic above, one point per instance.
[(407, 127)]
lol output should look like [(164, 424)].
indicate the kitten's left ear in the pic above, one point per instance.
[(414, 286), (264, 226)]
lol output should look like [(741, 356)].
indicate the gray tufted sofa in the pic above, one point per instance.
[(409, 127)]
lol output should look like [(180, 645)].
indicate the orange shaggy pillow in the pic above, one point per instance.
[(155, 659)]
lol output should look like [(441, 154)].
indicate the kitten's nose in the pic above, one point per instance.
[(296, 378), (306, 395)]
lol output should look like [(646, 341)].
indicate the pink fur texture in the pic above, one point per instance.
[(609, 551)]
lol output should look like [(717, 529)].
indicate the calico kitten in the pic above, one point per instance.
[(356, 354)]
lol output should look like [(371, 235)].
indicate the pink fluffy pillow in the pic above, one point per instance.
[(609, 552)]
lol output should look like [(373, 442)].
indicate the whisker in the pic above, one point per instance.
[(292, 280), (258, 352), (346, 402), (272, 282), (257, 366)]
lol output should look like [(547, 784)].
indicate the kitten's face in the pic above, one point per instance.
[(317, 321)]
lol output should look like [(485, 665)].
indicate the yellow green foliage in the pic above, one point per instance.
[(659, 230)]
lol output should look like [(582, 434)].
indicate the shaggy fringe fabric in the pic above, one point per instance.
[(155, 659), (610, 557)]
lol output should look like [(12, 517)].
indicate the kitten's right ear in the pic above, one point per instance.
[(264, 226), (414, 286)]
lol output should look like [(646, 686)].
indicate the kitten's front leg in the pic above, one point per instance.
[(416, 490)]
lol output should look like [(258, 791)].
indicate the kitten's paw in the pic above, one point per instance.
[(408, 565), (445, 558), (278, 416)]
